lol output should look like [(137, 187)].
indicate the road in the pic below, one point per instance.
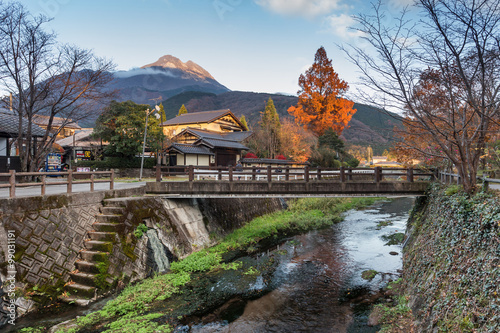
[(58, 189)]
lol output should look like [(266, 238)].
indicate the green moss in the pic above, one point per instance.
[(394, 239), (103, 275), (369, 274), (140, 231), (383, 224)]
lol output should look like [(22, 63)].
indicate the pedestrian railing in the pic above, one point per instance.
[(271, 174), (453, 178), (44, 179)]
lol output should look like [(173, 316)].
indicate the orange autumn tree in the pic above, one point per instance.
[(296, 141), (321, 104)]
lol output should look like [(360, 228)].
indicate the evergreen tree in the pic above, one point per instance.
[(244, 122), (271, 129), (182, 110)]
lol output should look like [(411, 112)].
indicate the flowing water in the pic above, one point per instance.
[(159, 254), (318, 281)]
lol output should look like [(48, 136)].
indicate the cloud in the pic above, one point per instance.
[(142, 71), (340, 25), (307, 8)]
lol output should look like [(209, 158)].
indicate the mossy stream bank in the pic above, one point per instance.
[(215, 284), (451, 265)]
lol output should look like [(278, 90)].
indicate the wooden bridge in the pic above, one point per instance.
[(199, 182)]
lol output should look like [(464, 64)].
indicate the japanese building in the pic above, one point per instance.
[(210, 138)]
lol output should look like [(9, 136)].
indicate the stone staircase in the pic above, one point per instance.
[(85, 279)]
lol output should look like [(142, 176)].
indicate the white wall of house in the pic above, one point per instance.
[(204, 160), (191, 159)]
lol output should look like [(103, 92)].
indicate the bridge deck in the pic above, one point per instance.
[(253, 189)]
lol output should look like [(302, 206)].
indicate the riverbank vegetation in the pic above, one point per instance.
[(139, 308), (451, 264)]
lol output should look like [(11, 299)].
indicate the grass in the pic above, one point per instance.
[(128, 311)]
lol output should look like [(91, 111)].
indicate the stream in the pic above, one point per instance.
[(317, 284), (313, 282)]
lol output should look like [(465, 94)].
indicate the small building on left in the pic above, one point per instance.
[(9, 132)]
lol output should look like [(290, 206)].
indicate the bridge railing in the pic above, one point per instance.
[(270, 174), (43, 179)]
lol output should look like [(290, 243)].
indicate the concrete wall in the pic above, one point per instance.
[(51, 230)]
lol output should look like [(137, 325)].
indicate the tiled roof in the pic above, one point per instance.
[(80, 135), (222, 143), (196, 117), (190, 149), (232, 136), (56, 122), (9, 123)]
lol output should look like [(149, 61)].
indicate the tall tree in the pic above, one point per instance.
[(122, 125), (182, 110), (443, 71), (321, 104), (271, 128), (46, 78)]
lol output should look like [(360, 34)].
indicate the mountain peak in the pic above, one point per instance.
[(170, 62)]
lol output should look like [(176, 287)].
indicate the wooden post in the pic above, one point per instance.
[(287, 173), (342, 174), (158, 173), (112, 180), (230, 174), (319, 173), (191, 173), (70, 181), (306, 174), (409, 175), (377, 174), (219, 171), (92, 176), (254, 173), (12, 183), (269, 174), (349, 175), (44, 179)]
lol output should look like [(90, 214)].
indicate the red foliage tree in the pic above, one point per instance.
[(321, 104)]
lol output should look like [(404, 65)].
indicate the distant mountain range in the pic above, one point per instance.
[(166, 77)]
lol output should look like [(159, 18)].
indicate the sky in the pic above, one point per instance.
[(247, 45)]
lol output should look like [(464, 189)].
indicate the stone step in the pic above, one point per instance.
[(117, 202), (100, 246), (87, 267), (80, 290), (86, 279), (74, 299), (102, 236), (94, 255), (110, 210), (108, 227), (101, 218)]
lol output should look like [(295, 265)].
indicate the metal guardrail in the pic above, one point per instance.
[(269, 174), (89, 178)]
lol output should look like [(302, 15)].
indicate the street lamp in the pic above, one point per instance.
[(157, 109)]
